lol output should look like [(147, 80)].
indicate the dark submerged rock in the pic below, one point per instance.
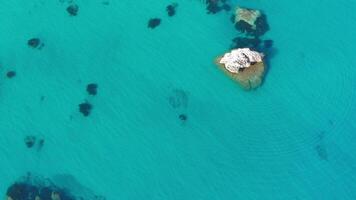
[(30, 141), (31, 187), (40, 144), (45, 193), (183, 117), (268, 44), (11, 74), (92, 89), (22, 191), (215, 6), (154, 22), (246, 42), (244, 27), (73, 9), (226, 7), (171, 9), (261, 25), (34, 43), (85, 108)]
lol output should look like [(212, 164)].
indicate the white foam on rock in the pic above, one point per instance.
[(240, 58)]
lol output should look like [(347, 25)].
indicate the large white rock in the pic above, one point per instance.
[(240, 58)]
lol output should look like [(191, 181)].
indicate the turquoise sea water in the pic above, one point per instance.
[(292, 138)]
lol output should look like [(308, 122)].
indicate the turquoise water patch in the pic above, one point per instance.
[(292, 138)]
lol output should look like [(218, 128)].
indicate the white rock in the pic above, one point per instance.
[(240, 58)]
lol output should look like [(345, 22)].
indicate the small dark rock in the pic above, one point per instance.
[(154, 22), (213, 7), (183, 117), (22, 191), (73, 9), (261, 25), (30, 141), (11, 74), (92, 89), (40, 144), (232, 18), (34, 43), (268, 44), (246, 42), (226, 7), (171, 9), (45, 193), (85, 108), (244, 27)]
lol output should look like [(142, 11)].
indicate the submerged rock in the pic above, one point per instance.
[(244, 66), (10, 74), (171, 9), (92, 89), (30, 141), (251, 21), (35, 43), (215, 6), (246, 42), (154, 22), (32, 187), (73, 10), (183, 117), (85, 108)]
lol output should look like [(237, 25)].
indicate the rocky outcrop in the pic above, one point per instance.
[(247, 15), (250, 21), (244, 66), (30, 187)]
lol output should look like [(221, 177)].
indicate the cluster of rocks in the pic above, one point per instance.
[(244, 63), (171, 11), (215, 6), (252, 24), (86, 107), (28, 190), (31, 187), (31, 141)]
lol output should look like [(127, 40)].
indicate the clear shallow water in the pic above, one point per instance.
[(293, 138)]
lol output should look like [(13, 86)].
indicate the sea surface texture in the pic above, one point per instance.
[(165, 122)]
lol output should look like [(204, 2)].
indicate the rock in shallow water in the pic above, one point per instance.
[(32, 187), (92, 89), (244, 66), (35, 43), (85, 108), (73, 10), (250, 21), (171, 9), (10, 74), (30, 141), (154, 22)]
